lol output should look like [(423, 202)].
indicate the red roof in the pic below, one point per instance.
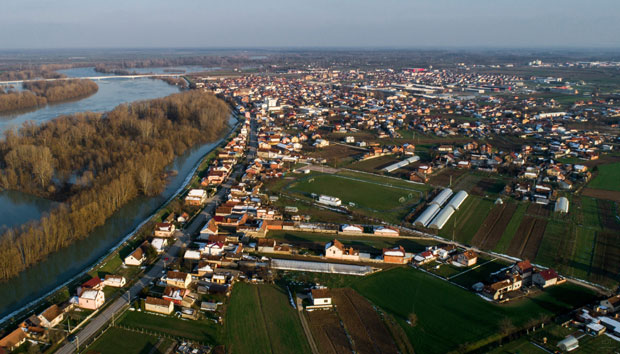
[(92, 283), (548, 274)]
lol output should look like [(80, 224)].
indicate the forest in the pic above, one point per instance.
[(95, 163), (40, 93)]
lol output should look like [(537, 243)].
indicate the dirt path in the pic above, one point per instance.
[(306, 327)]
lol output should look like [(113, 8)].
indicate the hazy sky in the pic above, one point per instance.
[(315, 23)]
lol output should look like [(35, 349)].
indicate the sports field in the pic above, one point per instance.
[(379, 196), (608, 177), (260, 319), (450, 318)]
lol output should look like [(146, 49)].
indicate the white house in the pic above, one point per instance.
[(321, 299), (545, 278), (116, 281), (91, 299), (158, 244), (336, 250)]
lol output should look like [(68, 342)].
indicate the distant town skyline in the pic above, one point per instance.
[(43, 24)]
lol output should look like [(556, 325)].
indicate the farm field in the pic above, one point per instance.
[(511, 229), (528, 237), (373, 165), (259, 319), (607, 177), (491, 230), (436, 303), (446, 175), (467, 220), (203, 331), (328, 333), (117, 340), (368, 332)]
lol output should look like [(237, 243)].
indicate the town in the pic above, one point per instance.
[(357, 210)]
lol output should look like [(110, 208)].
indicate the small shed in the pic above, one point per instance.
[(568, 344)]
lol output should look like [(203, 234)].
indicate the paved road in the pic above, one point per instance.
[(98, 321)]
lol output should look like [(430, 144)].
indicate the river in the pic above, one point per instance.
[(71, 261)]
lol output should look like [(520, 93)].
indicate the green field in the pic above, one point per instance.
[(260, 319), (451, 318), (203, 331), (608, 177), (117, 340)]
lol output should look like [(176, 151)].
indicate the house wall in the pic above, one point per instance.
[(159, 309)]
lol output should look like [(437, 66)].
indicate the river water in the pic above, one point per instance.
[(17, 208)]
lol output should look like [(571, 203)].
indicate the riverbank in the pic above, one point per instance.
[(184, 179)]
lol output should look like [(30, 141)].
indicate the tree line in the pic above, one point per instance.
[(94, 164), (40, 93), (38, 73)]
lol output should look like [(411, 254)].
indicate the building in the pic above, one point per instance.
[(467, 258), (196, 197), (386, 231), (568, 344), (178, 279), (157, 305), (496, 291), (92, 284), (545, 278), (158, 244), (352, 229), (91, 299), (331, 201), (164, 229), (321, 299), (395, 255), (116, 281), (13, 340), (561, 205), (336, 250), (52, 316), (138, 256), (612, 304)]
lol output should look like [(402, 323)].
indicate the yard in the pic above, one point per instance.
[(203, 331), (450, 318), (117, 340), (260, 319)]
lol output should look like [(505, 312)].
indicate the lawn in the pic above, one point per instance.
[(118, 340), (478, 274), (607, 177), (511, 229), (450, 317), (590, 212), (260, 319), (365, 194), (203, 331)]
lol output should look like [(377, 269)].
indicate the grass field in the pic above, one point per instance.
[(607, 177), (449, 317), (260, 319), (204, 331), (118, 340), (366, 194)]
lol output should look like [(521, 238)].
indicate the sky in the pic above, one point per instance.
[(42, 24)]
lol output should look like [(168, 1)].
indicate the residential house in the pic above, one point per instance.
[(321, 299), (336, 250), (13, 340), (612, 304), (91, 299), (496, 291), (158, 244), (178, 279), (467, 258), (138, 255), (196, 197), (52, 316), (525, 270), (545, 278), (116, 281), (164, 229), (157, 305), (92, 284)]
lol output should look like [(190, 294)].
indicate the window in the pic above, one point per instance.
[(326, 300)]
